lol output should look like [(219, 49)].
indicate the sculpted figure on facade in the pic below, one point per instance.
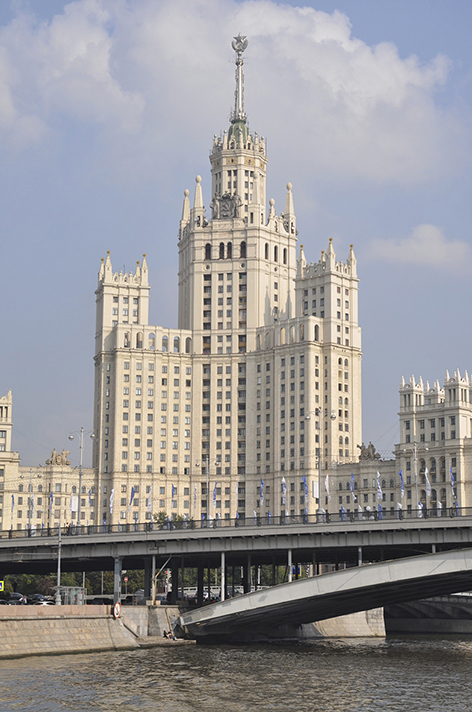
[(368, 452), (59, 458)]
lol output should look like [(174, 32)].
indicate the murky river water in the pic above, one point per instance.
[(428, 674)]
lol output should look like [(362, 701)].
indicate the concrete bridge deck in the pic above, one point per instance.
[(331, 595)]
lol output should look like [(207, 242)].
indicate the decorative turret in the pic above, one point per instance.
[(289, 215), (301, 263)]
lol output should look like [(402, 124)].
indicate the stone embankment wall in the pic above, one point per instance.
[(49, 630)]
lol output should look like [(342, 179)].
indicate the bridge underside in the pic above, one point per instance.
[(340, 593)]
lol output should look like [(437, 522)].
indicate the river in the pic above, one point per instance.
[(355, 675)]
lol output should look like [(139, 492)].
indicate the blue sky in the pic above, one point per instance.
[(107, 113)]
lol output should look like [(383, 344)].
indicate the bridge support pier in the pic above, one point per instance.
[(147, 578), (223, 576), (289, 565), (175, 581), (359, 555), (117, 580), (200, 585), (247, 575)]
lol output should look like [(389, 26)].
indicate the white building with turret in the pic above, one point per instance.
[(262, 374)]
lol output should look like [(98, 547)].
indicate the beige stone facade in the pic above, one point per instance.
[(196, 420)]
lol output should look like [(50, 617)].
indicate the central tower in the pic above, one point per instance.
[(239, 254)]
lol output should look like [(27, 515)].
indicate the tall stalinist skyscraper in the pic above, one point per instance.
[(262, 376)]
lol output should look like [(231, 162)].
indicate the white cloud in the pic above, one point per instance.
[(154, 77), (426, 246)]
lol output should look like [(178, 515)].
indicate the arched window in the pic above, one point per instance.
[(340, 441), (165, 344), (176, 344), (266, 251), (242, 250), (285, 255), (346, 401), (392, 484), (282, 336), (258, 342), (208, 251), (229, 251), (340, 486), (292, 334), (127, 340), (383, 483), (302, 332), (346, 362), (152, 341), (188, 345), (340, 361), (346, 441), (222, 250), (317, 332), (139, 340), (276, 253), (74, 489)]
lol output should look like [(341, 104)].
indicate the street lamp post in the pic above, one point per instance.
[(30, 499), (317, 413), (81, 434), (207, 467), (414, 450)]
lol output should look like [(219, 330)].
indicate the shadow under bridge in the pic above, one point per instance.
[(330, 595)]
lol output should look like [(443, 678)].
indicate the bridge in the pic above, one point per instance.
[(233, 546), (331, 595)]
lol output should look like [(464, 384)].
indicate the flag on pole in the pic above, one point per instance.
[(352, 487), (306, 489), (173, 492), (13, 506), (399, 509), (262, 491), (402, 485), (133, 492), (420, 509), (149, 502), (214, 495), (439, 509), (452, 478), (327, 487), (379, 507), (254, 517), (284, 491), (379, 488), (268, 516), (112, 496), (343, 514), (428, 483)]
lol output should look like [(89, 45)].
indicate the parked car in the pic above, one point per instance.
[(16, 599), (36, 598)]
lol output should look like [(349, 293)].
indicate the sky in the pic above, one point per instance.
[(108, 109)]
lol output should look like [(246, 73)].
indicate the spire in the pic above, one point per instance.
[(301, 263), (144, 271), (289, 215), (239, 44), (198, 202), (186, 207)]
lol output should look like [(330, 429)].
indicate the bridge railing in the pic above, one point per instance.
[(321, 518)]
